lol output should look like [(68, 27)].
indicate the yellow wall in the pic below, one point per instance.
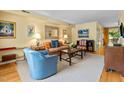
[(121, 17), (99, 36), (113, 29), (92, 26), (22, 21), (92, 29), (22, 40)]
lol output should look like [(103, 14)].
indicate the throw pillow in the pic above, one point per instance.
[(47, 45), (54, 43)]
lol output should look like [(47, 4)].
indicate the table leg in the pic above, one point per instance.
[(69, 59), (81, 54), (60, 56), (84, 52)]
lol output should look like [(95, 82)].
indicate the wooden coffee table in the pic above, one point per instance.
[(72, 52)]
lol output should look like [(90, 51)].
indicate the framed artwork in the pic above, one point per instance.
[(31, 30), (51, 32), (7, 29), (83, 33)]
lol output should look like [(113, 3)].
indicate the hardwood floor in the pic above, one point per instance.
[(8, 73), (109, 76), (100, 51)]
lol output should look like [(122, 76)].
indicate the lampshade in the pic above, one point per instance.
[(65, 36), (37, 36)]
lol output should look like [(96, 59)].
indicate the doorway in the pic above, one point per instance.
[(106, 36)]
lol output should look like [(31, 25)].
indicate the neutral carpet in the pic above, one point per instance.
[(88, 69)]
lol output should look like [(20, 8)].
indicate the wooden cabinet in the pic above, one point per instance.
[(114, 58), (11, 54), (6, 56)]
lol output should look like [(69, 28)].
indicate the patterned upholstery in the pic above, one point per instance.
[(47, 45), (82, 44)]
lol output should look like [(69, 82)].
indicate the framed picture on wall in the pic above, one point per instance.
[(31, 30), (7, 29), (51, 32), (83, 33)]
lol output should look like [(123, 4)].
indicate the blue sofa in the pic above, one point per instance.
[(41, 65)]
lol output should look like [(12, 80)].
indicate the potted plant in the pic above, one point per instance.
[(72, 45), (115, 36)]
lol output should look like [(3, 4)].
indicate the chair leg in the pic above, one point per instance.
[(84, 52)]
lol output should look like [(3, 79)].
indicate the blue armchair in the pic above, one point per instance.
[(41, 65)]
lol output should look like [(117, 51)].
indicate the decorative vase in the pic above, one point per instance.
[(114, 40)]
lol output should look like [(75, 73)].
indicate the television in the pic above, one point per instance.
[(122, 30)]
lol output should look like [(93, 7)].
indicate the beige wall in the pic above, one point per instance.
[(22, 22)]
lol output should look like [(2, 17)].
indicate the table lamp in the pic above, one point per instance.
[(65, 37), (37, 37)]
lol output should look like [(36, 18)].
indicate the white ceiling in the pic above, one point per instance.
[(107, 18)]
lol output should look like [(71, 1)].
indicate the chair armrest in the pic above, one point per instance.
[(44, 52), (51, 58)]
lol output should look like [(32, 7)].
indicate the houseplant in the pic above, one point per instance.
[(115, 36), (72, 45)]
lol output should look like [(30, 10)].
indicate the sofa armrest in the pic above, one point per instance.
[(65, 45)]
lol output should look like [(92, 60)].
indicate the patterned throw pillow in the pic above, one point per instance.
[(82, 42), (34, 47), (61, 43), (47, 45)]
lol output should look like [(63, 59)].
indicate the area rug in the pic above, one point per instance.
[(88, 69)]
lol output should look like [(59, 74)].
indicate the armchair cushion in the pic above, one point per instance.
[(44, 52)]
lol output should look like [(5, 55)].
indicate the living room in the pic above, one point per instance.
[(40, 32)]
